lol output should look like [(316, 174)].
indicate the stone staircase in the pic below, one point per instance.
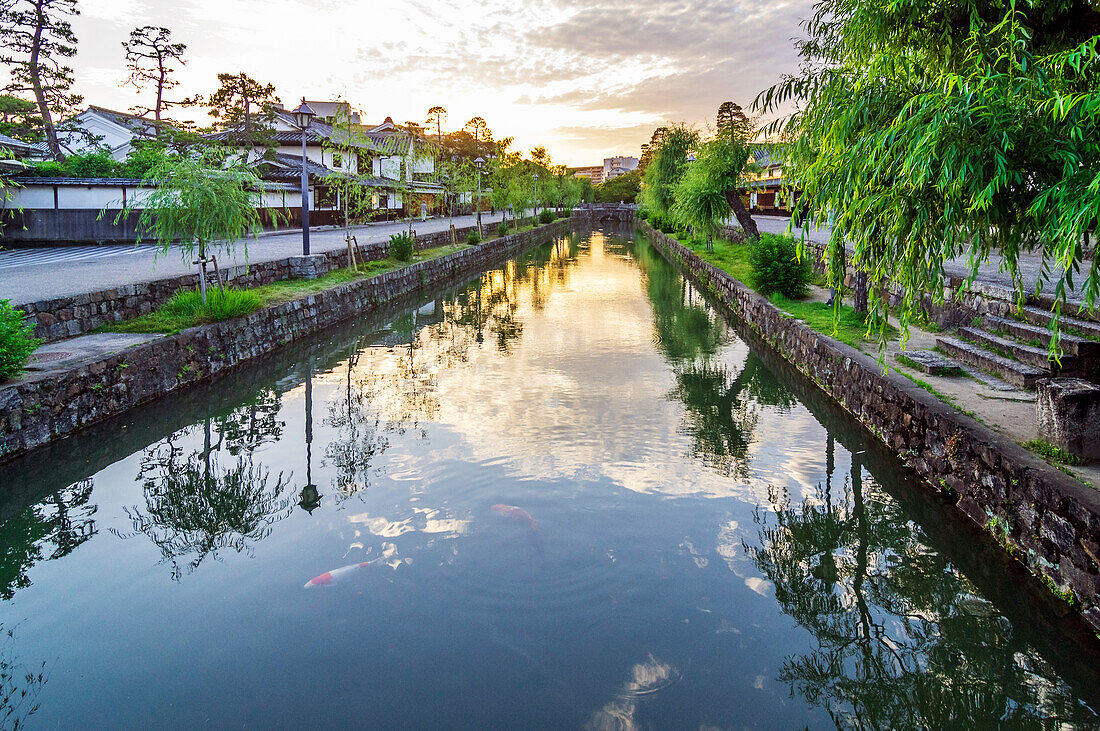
[(1015, 349)]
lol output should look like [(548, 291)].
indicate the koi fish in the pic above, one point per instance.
[(331, 577), (511, 511)]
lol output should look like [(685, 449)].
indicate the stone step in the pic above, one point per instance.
[(1032, 356), (1070, 344), (1014, 372), (1042, 317), (930, 362)]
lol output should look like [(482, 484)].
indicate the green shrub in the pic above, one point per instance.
[(546, 217), (17, 340), (777, 268), (401, 246), (473, 238), (187, 304), (642, 213), (503, 228)]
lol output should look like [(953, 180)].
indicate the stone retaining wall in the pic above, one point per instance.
[(46, 406), (1044, 518), (66, 317)]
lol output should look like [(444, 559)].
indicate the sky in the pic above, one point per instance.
[(586, 78)]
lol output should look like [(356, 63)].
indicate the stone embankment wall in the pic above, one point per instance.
[(66, 317), (1046, 519), (49, 405)]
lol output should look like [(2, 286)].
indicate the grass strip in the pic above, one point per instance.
[(733, 258), (185, 309)]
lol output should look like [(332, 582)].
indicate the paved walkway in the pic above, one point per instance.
[(29, 275), (988, 273)]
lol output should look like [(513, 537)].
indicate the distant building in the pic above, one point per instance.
[(98, 128), (592, 172), (613, 167), (769, 191)]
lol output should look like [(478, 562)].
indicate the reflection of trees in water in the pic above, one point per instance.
[(901, 639), (248, 426), (722, 408), (392, 388), (359, 433), (20, 684), (195, 506), (49, 529), (685, 327), (488, 306)]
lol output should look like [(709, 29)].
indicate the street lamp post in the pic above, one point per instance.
[(480, 161), (303, 115), (536, 177)]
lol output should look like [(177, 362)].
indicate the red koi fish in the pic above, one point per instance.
[(511, 511), (336, 575)]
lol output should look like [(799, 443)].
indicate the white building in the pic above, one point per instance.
[(613, 167), (98, 128)]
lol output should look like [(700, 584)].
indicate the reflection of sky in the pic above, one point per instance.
[(574, 399)]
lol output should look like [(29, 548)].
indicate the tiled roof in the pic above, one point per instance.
[(116, 182), (14, 144)]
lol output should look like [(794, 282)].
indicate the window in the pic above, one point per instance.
[(337, 160)]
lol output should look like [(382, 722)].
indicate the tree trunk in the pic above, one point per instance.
[(36, 83), (859, 296), (743, 217)]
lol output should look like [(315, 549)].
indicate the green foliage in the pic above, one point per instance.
[(97, 164), (546, 216), (401, 246), (1051, 452), (968, 128), (473, 238), (199, 200), (245, 108), (19, 119), (669, 162), (347, 141), (624, 188), (503, 228), (144, 156), (17, 340), (186, 309), (778, 268)]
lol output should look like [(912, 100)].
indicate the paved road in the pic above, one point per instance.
[(988, 273), (28, 275)]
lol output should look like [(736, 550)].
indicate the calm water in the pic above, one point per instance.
[(585, 501)]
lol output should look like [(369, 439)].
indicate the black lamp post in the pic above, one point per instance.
[(479, 162), (303, 115), (536, 177)]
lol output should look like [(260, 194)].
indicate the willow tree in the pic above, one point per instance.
[(199, 202), (669, 163), (705, 195), (968, 128)]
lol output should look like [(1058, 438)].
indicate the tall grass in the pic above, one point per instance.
[(186, 309)]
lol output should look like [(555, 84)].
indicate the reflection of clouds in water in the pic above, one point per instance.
[(728, 545), (699, 559), (645, 679), (423, 520)]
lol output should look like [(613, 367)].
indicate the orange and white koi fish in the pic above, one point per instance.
[(511, 511), (337, 575)]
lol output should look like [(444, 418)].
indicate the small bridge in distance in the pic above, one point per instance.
[(606, 212)]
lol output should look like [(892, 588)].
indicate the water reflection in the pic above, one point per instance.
[(901, 639), (20, 684), (48, 530), (195, 507)]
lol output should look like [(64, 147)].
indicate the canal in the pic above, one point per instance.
[(566, 494)]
